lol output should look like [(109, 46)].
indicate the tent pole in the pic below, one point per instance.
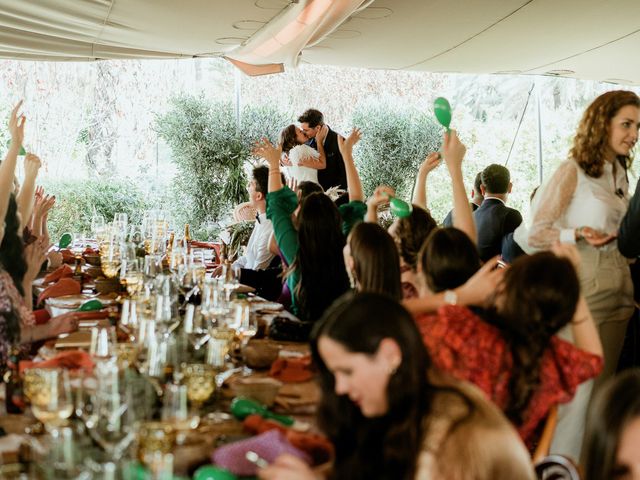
[(540, 171), (238, 91)]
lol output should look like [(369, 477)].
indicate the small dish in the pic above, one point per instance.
[(261, 389)]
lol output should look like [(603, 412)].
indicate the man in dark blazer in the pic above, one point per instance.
[(334, 174), (476, 200), (493, 218)]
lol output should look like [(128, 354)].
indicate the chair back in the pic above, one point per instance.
[(542, 450), (557, 467), (244, 212)]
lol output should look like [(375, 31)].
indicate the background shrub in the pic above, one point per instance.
[(211, 154), (76, 200), (396, 139)]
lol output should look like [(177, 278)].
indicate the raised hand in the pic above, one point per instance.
[(431, 162), (292, 183), (34, 255), (346, 144), (265, 149), (32, 164), (16, 126), (568, 251), (322, 134), (381, 196), (454, 150)]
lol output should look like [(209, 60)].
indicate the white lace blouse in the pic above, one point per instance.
[(571, 199)]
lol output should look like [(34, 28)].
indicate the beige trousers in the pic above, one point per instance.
[(606, 284)]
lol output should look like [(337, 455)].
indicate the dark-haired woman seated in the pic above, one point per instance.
[(511, 351), (612, 441), (313, 251), (372, 260), (389, 415)]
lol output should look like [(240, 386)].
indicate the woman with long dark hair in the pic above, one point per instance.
[(372, 260), (511, 351), (389, 415), (611, 448), (313, 251)]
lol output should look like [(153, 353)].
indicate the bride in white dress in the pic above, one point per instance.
[(301, 160)]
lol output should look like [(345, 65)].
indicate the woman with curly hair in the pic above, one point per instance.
[(583, 203), (389, 414)]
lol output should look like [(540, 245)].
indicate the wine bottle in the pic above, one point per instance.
[(14, 396)]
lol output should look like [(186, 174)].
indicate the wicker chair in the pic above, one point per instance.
[(557, 467), (244, 212)]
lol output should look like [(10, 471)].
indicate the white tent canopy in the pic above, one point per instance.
[(591, 39)]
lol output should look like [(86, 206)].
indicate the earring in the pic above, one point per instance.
[(352, 281)]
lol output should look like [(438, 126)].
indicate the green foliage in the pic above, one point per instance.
[(396, 139), (211, 153), (76, 199)]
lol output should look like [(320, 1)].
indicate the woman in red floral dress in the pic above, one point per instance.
[(511, 351)]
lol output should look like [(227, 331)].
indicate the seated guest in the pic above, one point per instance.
[(410, 232), (372, 260), (303, 161), (258, 257), (19, 266), (389, 415), (611, 447), (493, 218), (476, 200), (313, 247), (511, 351)]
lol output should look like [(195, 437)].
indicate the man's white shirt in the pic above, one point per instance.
[(258, 256)]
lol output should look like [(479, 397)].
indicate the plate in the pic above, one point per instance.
[(74, 301)]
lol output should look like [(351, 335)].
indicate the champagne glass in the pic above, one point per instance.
[(230, 276), (49, 392), (97, 225), (156, 441), (134, 278), (200, 381), (103, 341), (77, 247)]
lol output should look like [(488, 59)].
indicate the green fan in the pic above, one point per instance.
[(211, 472), (442, 110), (399, 208), (91, 305), (242, 407), (65, 240)]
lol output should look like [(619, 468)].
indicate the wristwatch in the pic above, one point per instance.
[(450, 297)]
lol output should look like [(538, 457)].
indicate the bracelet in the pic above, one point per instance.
[(450, 297), (274, 172)]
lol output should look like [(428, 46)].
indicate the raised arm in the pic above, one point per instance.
[(8, 167), (265, 149), (454, 152), (420, 191), (354, 185), (26, 195), (476, 291), (380, 196)]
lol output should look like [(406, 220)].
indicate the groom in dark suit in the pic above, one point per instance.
[(493, 218), (334, 174)]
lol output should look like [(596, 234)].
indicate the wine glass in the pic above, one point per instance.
[(230, 276), (77, 247), (97, 225), (103, 341), (49, 392), (134, 278), (200, 381)]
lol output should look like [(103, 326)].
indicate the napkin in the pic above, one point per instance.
[(316, 446), (41, 316), (268, 445), (70, 360), (61, 272), (292, 369), (64, 286), (67, 256)]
